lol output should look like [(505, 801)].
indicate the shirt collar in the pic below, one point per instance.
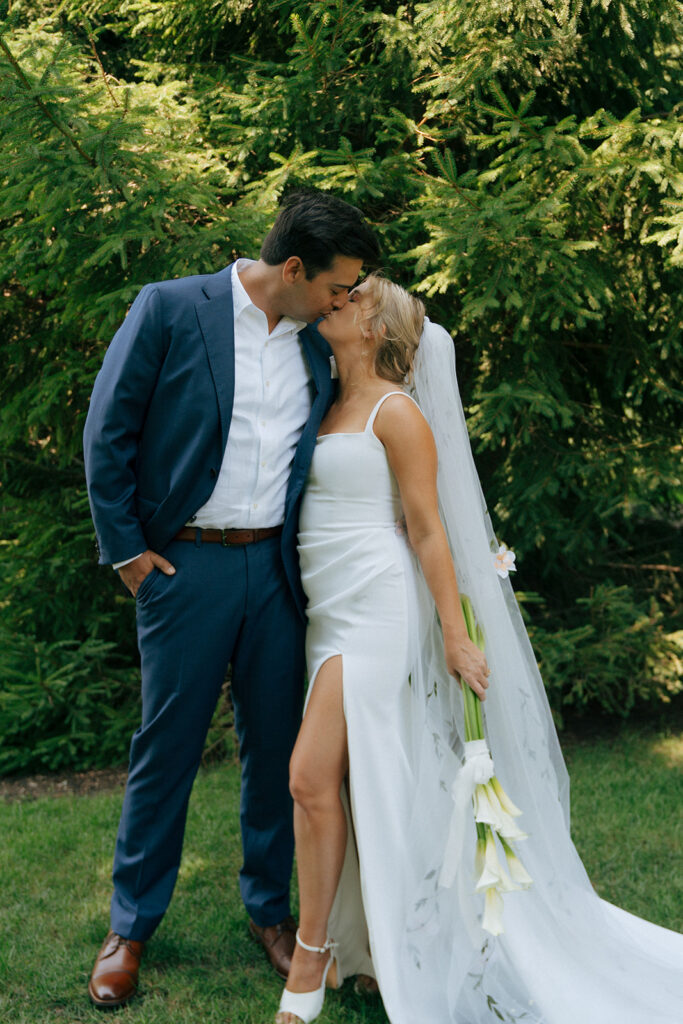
[(242, 302)]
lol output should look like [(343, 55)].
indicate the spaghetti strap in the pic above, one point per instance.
[(373, 414)]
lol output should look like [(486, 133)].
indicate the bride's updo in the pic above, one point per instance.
[(395, 318)]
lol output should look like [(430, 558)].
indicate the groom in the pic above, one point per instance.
[(201, 427)]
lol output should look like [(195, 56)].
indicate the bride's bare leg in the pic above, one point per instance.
[(318, 766)]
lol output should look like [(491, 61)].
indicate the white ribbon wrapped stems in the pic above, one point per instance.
[(476, 771)]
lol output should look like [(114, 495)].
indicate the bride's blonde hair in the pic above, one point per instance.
[(395, 318)]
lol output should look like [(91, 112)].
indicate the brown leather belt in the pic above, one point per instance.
[(227, 537)]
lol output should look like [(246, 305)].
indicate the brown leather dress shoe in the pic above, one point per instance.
[(365, 985), (278, 940), (114, 979)]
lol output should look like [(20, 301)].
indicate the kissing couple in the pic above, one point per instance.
[(270, 516)]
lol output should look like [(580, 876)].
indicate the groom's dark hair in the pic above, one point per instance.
[(317, 226)]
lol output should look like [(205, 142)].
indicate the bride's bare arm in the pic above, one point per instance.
[(411, 451)]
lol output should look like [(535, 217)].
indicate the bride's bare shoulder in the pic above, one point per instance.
[(400, 421)]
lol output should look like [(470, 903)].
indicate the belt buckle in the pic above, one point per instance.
[(224, 542)]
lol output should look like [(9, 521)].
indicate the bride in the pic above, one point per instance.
[(382, 738)]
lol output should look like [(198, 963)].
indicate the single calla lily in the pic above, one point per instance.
[(493, 912), (505, 801), (484, 811), (519, 874), (486, 878), (488, 809), (493, 863)]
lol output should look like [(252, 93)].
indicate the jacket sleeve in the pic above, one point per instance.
[(115, 422)]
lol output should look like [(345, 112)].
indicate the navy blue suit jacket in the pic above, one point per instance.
[(160, 416)]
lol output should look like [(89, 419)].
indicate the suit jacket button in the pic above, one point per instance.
[(213, 474)]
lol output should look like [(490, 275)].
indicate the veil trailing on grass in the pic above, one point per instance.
[(565, 955)]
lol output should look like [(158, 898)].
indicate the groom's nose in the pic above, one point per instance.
[(340, 300)]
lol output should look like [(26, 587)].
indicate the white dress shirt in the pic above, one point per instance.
[(272, 403), (273, 398)]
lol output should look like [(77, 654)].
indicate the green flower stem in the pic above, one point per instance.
[(480, 718), (474, 721)]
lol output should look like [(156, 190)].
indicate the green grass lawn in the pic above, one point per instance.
[(201, 967)]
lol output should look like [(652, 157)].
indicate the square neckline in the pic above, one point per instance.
[(370, 420)]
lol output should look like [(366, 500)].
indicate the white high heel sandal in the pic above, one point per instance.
[(306, 1006)]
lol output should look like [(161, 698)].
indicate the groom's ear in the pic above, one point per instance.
[(293, 270)]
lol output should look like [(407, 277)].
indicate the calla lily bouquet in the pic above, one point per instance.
[(494, 812)]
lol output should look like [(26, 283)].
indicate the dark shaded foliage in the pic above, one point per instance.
[(522, 163)]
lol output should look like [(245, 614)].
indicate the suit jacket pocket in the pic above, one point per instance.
[(145, 508)]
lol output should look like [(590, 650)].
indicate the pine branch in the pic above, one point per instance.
[(69, 135), (105, 79)]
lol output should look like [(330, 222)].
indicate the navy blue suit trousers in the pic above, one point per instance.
[(223, 605)]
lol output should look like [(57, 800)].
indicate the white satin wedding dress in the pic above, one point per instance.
[(566, 957)]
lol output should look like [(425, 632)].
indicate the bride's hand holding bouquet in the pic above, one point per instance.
[(466, 661)]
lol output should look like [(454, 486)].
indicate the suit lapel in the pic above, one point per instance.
[(317, 362), (217, 325), (316, 351)]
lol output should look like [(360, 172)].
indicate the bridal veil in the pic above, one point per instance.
[(566, 956)]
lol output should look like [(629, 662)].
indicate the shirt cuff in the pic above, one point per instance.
[(119, 565)]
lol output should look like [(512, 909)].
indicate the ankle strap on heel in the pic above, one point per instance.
[(329, 945)]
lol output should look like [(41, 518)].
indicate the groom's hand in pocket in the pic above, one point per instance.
[(136, 571)]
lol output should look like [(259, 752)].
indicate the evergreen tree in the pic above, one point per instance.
[(522, 163)]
